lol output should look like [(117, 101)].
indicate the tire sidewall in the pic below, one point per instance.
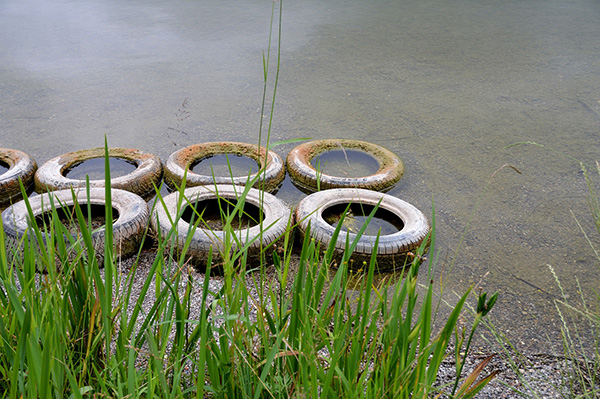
[(20, 166), (178, 166), (305, 176), (310, 211), (277, 216), (148, 173), (128, 229)]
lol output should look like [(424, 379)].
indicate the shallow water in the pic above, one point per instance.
[(225, 165), (444, 85), (345, 163), (94, 168)]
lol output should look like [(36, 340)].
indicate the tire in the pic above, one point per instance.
[(393, 250), (180, 161), (306, 177), (51, 175), (20, 166), (277, 216), (128, 228)]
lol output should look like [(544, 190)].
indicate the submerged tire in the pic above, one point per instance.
[(51, 175), (132, 216), (180, 161), (20, 166), (305, 176), (393, 250), (275, 222)]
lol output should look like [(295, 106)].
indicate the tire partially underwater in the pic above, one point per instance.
[(20, 166), (393, 250), (179, 163), (148, 173), (306, 177), (275, 221), (131, 214)]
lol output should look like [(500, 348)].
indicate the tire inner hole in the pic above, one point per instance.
[(345, 163), (94, 168), (220, 164), (3, 167), (357, 216), (68, 217), (214, 212)]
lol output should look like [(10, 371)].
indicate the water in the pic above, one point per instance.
[(444, 85), (225, 165), (3, 168), (94, 168), (346, 163), (382, 222), (214, 213)]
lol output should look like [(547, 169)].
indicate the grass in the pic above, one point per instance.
[(80, 331), (286, 327), (579, 317)]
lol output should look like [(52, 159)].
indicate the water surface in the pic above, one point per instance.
[(444, 85)]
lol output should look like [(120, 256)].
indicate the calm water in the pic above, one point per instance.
[(345, 163), (94, 168), (445, 85), (225, 165)]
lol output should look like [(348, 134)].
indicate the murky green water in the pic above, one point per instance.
[(445, 85)]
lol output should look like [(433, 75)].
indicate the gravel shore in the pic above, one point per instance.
[(531, 376)]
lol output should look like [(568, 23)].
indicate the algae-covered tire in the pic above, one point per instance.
[(276, 216), (20, 166), (270, 175), (130, 210), (305, 176), (393, 250), (52, 174)]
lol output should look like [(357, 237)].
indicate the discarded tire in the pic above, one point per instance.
[(276, 217), (305, 176), (130, 210), (52, 174), (393, 250), (20, 166), (270, 176)]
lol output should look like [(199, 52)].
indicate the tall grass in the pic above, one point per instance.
[(579, 316), (78, 330)]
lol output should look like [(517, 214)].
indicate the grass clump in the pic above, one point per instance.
[(78, 330)]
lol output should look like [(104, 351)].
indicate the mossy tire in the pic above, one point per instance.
[(21, 166), (270, 175), (132, 217), (307, 178), (148, 173), (204, 241), (393, 250)]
